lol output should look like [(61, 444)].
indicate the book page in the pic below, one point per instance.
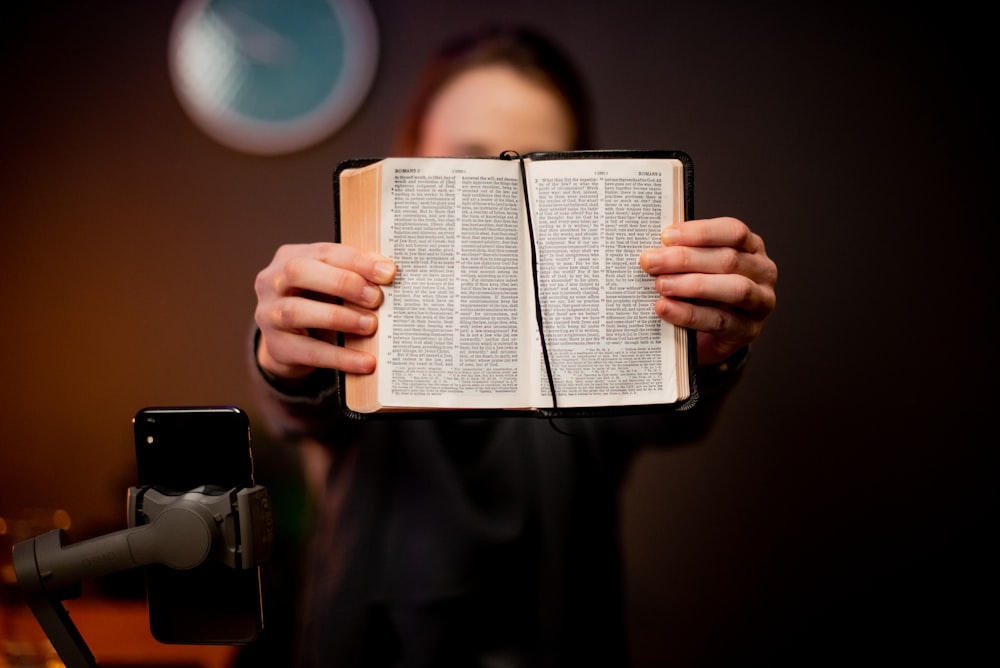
[(592, 218), (449, 331)]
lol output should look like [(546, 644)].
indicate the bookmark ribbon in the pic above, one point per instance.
[(514, 155)]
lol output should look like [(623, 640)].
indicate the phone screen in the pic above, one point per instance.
[(179, 449)]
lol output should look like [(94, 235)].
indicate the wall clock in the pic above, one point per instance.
[(269, 77)]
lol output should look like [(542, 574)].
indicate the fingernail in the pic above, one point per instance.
[(384, 270), (669, 235), (366, 322), (664, 284), (371, 294)]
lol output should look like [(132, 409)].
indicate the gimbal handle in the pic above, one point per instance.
[(177, 531)]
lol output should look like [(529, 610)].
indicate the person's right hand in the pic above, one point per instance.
[(296, 314)]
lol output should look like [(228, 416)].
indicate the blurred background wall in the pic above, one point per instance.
[(838, 511)]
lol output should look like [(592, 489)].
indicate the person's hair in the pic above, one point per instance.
[(529, 52)]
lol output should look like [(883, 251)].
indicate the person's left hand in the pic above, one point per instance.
[(713, 276)]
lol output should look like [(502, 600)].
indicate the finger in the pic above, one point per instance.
[(732, 290), (727, 329), (299, 315), (374, 267), (296, 351), (720, 331), (302, 274), (712, 232), (717, 260)]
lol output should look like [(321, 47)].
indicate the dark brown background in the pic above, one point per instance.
[(839, 510)]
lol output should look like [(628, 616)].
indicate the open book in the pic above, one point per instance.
[(518, 285)]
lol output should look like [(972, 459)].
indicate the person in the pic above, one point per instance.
[(493, 542)]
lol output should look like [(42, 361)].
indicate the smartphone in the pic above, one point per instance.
[(178, 449)]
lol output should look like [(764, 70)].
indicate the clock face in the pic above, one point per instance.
[(270, 76)]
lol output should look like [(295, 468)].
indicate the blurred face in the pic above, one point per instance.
[(493, 108)]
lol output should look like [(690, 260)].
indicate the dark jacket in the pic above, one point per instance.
[(462, 542)]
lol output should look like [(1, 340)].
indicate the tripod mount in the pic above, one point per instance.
[(179, 531)]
